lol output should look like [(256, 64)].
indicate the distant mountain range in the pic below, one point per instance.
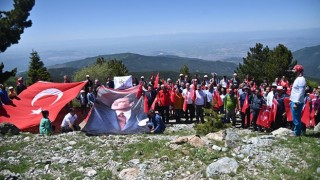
[(309, 57), (141, 63)]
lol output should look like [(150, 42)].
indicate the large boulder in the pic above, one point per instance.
[(196, 141), (281, 132), (8, 128), (224, 165)]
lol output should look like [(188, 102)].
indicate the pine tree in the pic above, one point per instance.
[(37, 71), (185, 70), (4, 76), (262, 63), (13, 23)]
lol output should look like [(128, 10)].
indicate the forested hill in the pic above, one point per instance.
[(309, 57), (141, 63)]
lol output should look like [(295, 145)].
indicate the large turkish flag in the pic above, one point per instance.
[(25, 112)]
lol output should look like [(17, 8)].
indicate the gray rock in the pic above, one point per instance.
[(164, 158), (8, 128), (174, 146), (318, 170), (317, 128), (134, 161), (282, 132), (222, 166), (91, 173), (216, 148), (27, 139), (68, 148), (232, 139), (71, 143), (64, 161)]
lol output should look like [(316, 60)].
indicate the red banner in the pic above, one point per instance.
[(264, 117), (25, 112), (288, 110)]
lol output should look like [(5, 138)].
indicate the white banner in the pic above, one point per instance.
[(122, 82)]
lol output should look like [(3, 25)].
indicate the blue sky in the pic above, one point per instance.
[(63, 20)]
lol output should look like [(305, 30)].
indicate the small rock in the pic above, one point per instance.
[(218, 136), (232, 139), (216, 148), (196, 175), (224, 149), (26, 139), (64, 161), (134, 161), (318, 170), (68, 148), (174, 146), (91, 173), (71, 143), (46, 167)]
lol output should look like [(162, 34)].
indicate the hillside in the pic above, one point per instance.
[(309, 57), (141, 63)]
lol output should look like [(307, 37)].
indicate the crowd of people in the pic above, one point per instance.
[(185, 99)]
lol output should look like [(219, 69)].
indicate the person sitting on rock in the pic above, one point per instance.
[(156, 125), (45, 126), (68, 122)]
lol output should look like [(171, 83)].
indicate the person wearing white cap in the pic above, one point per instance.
[(271, 94), (297, 98), (21, 86), (181, 80), (12, 94), (88, 84), (235, 80), (206, 79), (280, 120), (83, 102)]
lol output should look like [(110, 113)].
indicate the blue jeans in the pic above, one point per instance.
[(296, 117)]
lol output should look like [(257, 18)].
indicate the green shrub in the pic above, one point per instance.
[(212, 124)]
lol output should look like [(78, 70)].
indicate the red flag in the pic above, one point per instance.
[(273, 111), (156, 81), (216, 100), (172, 95), (263, 117), (26, 111), (312, 116), (153, 106), (305, 118), (288, 110), (185, 103), (193, 92), (245, 105), (145, 104), (139, 93)]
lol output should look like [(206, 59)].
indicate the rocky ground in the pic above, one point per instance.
[(178, 154)]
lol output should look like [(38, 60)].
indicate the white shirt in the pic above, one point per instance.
[(298, 90), (68, 118), (127, 114), (185, 93), (270, 98), (199, 97)]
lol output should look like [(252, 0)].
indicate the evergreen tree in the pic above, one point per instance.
[(185, 70), (13, 23), (37, 71), (262, 63), (117, 68)]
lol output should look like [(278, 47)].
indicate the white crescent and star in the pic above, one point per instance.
[(46, 92)]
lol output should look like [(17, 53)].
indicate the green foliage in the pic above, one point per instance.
[(185, 70), (261, 63), (213, 124), (312, 83), (13, 22), (101, 70), (37, 71), (4, 76)]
